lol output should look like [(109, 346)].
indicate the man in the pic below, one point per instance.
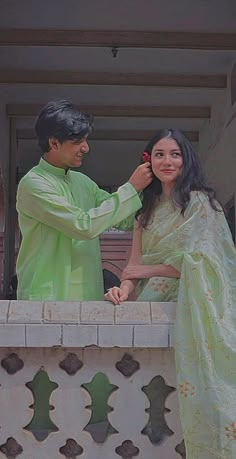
[(62, 212)]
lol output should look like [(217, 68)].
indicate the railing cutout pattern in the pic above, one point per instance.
[(72, 370), (100, 390), (157, 392), (41, 387)]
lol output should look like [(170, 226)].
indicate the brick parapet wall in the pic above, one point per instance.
[(72, 324)]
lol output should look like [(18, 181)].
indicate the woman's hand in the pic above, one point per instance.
[(116, 295)]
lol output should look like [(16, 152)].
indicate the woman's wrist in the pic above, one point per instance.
[(127, 286)]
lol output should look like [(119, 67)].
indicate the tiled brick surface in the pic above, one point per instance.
[(151, 336), (62, 312), (75, 324), (79, 335), (133, 313), (163, 312), (113, 335), (99, 312), (25, 312), (12, 335), (43, 335), (4, 306)]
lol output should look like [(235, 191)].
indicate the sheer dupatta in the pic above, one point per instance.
[(200, 246)]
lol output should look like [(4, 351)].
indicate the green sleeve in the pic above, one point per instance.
[(38, 199), (127, 223)]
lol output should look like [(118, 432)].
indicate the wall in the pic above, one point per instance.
[(217, 145), (88, 380)]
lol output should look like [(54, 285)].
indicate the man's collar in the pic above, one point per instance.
[(59, 171)]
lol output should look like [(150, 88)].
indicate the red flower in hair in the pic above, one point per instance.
[(146, 157)]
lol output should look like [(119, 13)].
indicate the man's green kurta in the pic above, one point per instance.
[(61, 215)]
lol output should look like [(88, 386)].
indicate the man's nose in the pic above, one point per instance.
[(85, 148)]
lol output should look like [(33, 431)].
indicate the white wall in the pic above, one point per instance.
[(43, 336), (217, 146)]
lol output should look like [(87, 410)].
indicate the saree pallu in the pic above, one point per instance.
[(199, 245)]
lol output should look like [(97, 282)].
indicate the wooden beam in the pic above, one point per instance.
[(136, 111), (110, 38), (103, 134), (107, 78)]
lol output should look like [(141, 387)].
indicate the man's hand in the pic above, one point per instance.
[(142, 177)]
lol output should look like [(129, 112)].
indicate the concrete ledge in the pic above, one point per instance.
[(131, 324)]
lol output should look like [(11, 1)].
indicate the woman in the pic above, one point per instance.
[(183, 251)]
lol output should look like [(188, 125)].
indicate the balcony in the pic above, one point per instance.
[(88, 380)]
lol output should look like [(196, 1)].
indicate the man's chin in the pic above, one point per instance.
[(77, 163)]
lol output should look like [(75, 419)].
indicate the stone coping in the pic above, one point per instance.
[(81, 324)]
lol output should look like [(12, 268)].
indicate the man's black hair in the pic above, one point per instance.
[(63, 121)]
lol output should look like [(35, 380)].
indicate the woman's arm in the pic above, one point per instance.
[(137, 271), (119, 294)]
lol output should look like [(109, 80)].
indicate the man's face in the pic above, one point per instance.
[(69, 153)]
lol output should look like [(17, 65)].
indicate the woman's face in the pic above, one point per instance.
[(167, 161)]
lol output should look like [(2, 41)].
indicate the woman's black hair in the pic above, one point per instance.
[(63, 121), (191, 178)]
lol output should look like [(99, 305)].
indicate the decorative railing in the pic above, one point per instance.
[(88, 380)]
